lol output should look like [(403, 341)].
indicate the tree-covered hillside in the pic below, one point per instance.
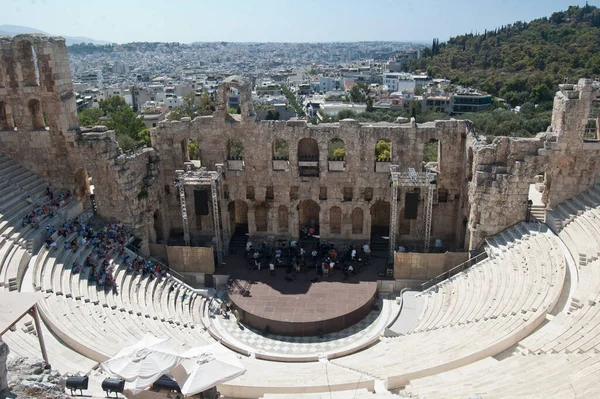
[(524, 61)]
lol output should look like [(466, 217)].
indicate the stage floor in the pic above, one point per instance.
[(302, 304)]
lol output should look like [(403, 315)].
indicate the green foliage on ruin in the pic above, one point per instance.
[(193, 150), (90, 116), (430, 152), (193, 106), (128, 126), (383, 150), (337, 150), (281, 150), (236, 149), (524, 61)]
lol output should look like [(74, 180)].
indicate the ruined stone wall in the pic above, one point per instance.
[(37, 110), (39, 129), (359, 172), (502, 171)]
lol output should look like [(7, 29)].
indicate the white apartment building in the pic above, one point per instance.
[(398, 81)]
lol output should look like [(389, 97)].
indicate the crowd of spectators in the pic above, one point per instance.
[(107, 243), (47, 209)]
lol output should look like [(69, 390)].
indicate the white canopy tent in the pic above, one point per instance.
[(142, 364), (205, 367)]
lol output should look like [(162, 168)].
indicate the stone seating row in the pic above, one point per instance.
[(23, 342), (536, 376), (98, 324), (560, 358), (141, 304), (528, 277)]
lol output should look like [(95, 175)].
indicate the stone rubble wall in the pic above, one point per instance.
[(485, 185), (502, 171), (408, 142)]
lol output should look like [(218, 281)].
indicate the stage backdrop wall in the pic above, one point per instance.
[(191, 259), (415, 266)]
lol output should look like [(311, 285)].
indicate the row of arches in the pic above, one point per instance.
[(35, 113), (308, 150), (309, 215)]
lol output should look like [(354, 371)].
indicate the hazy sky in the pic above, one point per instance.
[(272, 20)]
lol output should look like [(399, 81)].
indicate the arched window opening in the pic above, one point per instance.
[(37, 116), (383, 156), (6, 117), (336, 150), (432, 154), (283, 218), (185, 154), (236, 149), (238, 220), (29, 64), (380, 222), (335, 220), (309, 214), (383, 151), (357, 221), (193, 150), (308, 157), (281, 151), (233, 101), (592, 127), (260, 217)]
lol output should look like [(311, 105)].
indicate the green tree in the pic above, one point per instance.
[(383, 150), (272, 115), (369, 104), (336, 150), (339, 154), (192, 106), (430, 152), (90, 116), (144, 136), (193, 150), (236, 149), (281, 149), (206, 106), (359, 93), (112, 105), (126, 123), (345, 114), (125, 142)]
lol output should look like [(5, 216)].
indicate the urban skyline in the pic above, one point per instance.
[(271, 21)]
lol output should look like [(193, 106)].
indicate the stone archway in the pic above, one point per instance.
[(261, 217), (380, 222), (238, 216), (309, 215)]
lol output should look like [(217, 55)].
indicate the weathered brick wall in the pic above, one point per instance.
[(502, 171), (214, 132)]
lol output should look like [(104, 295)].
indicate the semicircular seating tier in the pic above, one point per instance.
[(467, 319), (559, 359), (476, 313)]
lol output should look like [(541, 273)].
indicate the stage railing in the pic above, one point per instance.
[(455, 270)]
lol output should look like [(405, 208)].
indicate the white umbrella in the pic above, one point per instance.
[(206, 367), (143, 363)]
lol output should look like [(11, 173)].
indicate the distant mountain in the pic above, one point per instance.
[(12, 30)]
